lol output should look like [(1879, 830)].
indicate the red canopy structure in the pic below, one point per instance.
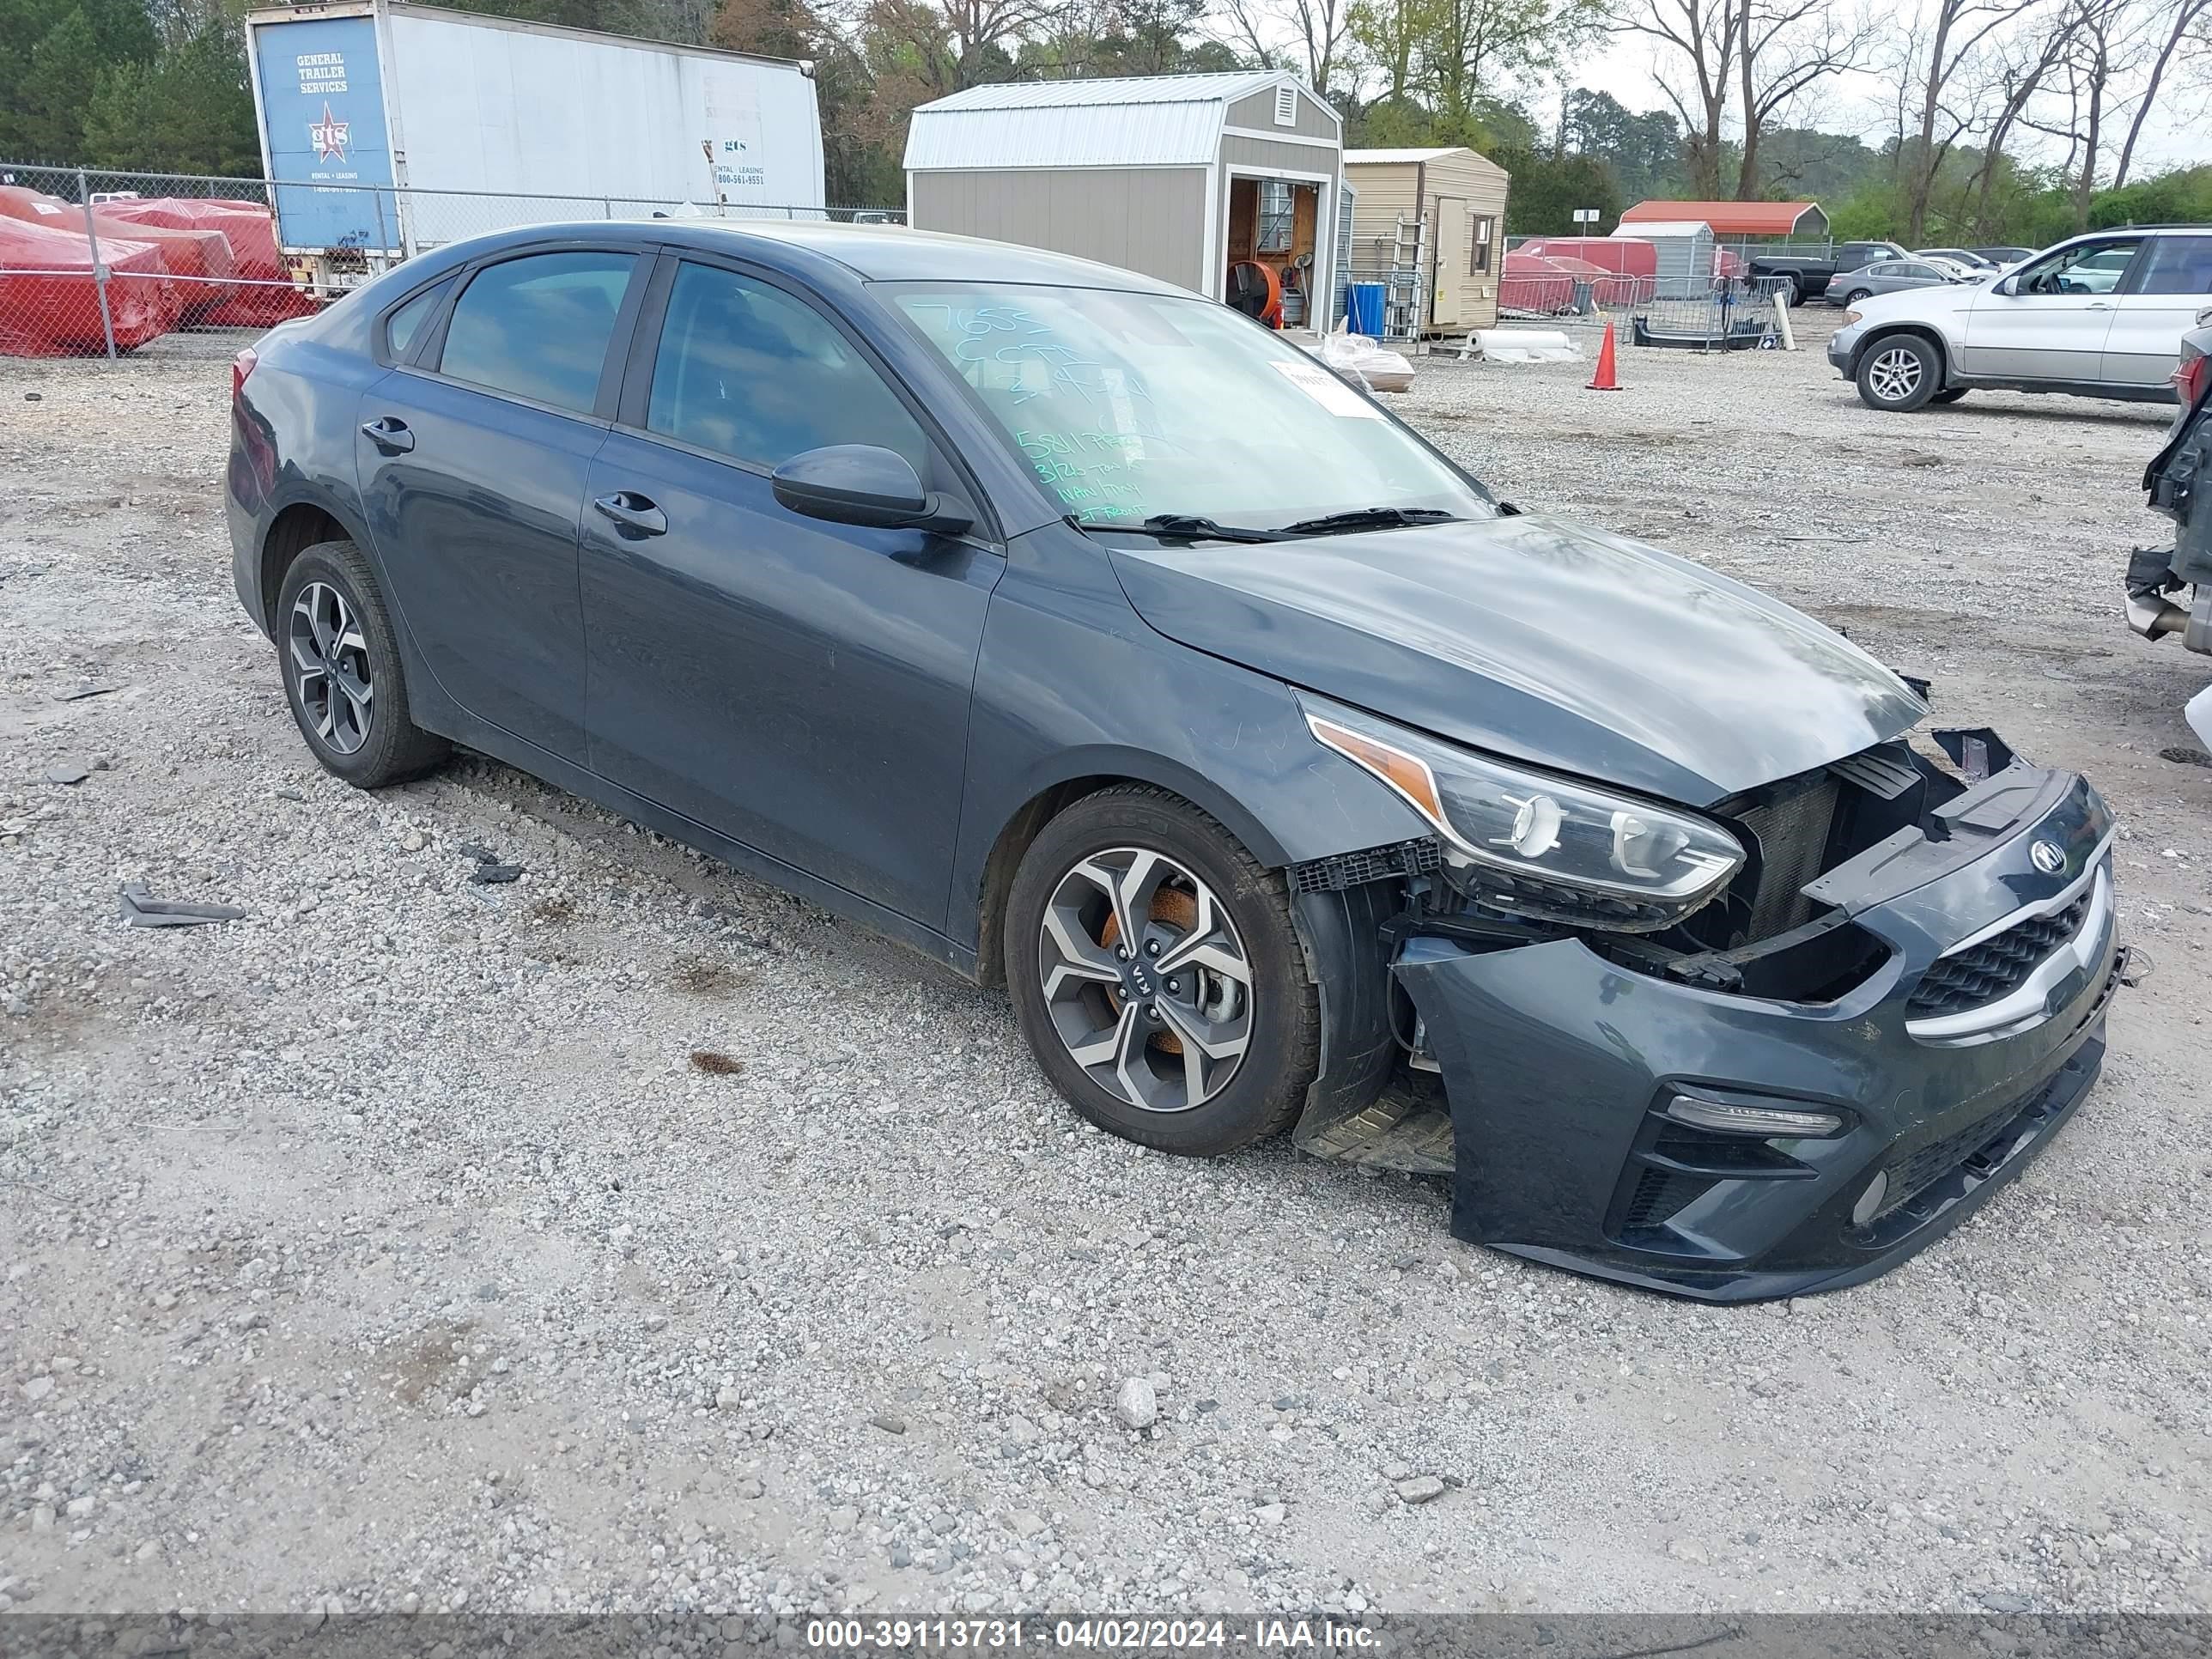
[(265, 292), (50, 303), (1736, 218)]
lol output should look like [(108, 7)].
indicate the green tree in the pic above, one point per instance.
[(52, 53), (1548, 189), (1643, 152), (188, 111)]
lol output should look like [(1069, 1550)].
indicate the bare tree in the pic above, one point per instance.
[(1784, 47), (1703, 39), (1936, 59), (2019, 71), (2188, 15)]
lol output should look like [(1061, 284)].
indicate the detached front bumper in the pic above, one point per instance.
[(1949, 1067)]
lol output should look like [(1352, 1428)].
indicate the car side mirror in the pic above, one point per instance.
[(2007, 286), (863, 485)]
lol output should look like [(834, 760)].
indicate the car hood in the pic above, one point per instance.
[(1538, 641)]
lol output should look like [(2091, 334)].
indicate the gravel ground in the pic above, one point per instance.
[(633, 1236)]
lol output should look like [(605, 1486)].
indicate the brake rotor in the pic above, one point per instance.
[(1176, 909)]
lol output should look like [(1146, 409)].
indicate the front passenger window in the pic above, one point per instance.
[(2093, 268), (748, 371)]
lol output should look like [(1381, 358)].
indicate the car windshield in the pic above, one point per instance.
[(1132, 406)]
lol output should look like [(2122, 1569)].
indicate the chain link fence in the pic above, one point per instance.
[(1730, 313), (94, 263)]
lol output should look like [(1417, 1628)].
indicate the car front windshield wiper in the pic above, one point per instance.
[(1190, 527), (1368, 518)]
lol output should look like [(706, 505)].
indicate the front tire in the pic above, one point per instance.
[(340, 661), (1899, 373), (1157, 977)]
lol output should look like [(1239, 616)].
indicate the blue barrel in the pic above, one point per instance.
[(1363, 304)]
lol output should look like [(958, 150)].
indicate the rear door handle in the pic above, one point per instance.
[(389, 434), (2097, 305), (634, 515)]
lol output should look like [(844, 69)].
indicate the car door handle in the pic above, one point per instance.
[(389, 434), (2097, 305), (633, 514)]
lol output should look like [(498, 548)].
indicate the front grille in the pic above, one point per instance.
[(1342, 870), (1996, 967), (1917, 1171)]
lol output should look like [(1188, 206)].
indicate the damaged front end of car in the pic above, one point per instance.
[(1770, 1046)]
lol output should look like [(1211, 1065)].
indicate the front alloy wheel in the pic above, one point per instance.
[(1900, 373), (1156, 973), (331, 668), (1146, 980)]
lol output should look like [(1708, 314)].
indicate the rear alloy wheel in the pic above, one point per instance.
[(341, 672), (1157, 975), (330, 671), (1901, 372)]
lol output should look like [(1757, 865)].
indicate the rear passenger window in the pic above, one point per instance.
[(538, 326), (2178, 264), (748, 371)]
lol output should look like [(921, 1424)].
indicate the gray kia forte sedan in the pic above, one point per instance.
[(1092, 639)]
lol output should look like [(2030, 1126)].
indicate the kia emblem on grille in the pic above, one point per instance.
[(2047, 856)]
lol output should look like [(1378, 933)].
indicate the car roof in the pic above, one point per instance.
[(871, 252)]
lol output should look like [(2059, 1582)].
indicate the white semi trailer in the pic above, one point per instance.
[(388, 128)]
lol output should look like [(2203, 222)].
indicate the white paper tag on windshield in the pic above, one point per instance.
[(1331, 394)]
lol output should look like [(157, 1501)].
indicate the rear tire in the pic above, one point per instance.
[(1796, 293), (1201, 1035), (1899, 373), (1855, 297), (340, 661)]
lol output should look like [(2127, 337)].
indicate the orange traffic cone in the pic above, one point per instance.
[(1603, 381)]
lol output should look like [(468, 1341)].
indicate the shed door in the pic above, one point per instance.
[(1448, 280)]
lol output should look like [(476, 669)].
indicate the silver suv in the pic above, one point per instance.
[(2100, 316)]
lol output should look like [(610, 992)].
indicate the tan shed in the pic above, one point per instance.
[(1186, 178), (1430, 225)]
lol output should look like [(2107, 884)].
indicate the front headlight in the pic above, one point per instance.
[(1539, 846)]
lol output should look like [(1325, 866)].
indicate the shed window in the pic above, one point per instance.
[(1286, 106), (1479, 258), (1278, 213)]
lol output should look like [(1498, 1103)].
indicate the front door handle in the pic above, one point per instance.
[(389, 434), (634, 515), (2097, 305)]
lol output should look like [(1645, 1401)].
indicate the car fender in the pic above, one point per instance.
[(1071, 685)]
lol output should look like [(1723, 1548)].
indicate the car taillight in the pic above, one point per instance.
[(2191, 380), (241, 366)]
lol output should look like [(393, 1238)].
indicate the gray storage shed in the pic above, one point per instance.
[(1176, 176)]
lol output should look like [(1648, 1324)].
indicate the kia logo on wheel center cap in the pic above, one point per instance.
[(2047, 856)]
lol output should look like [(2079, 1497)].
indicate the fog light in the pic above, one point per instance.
[(1870, 1200), (1750, 1120)]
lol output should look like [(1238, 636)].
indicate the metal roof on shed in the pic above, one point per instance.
[(1108, 89), (1729, 218), (1395, 157), (1150, 120)]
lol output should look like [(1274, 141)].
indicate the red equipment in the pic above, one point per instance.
[(50, 302)]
